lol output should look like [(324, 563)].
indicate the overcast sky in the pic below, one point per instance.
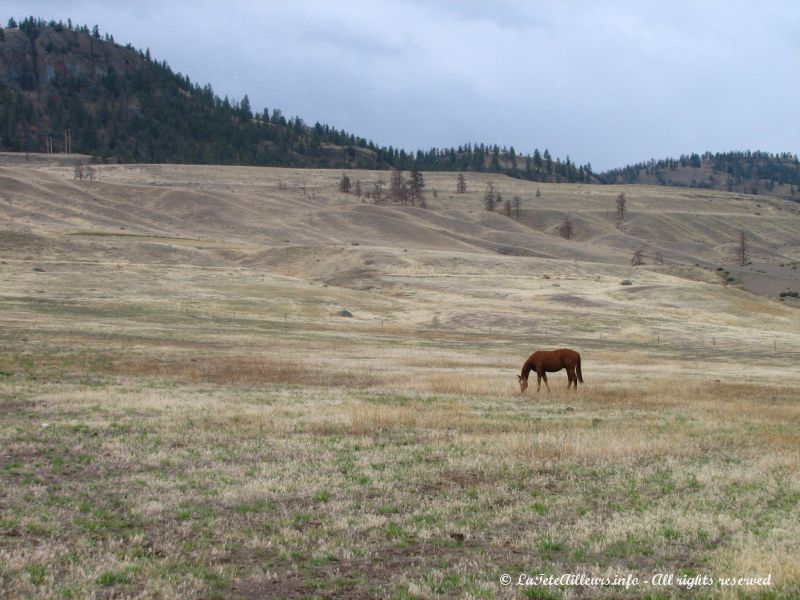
[(608, 83)]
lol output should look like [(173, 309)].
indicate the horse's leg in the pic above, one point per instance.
[(538, 381), (571, 377), (547, 385)]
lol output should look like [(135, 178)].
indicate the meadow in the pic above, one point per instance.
[(187, 427)]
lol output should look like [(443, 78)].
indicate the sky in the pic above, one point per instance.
[(604, 82)]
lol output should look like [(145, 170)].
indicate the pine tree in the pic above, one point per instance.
[(416, 184), (517, 202), (344, 184)]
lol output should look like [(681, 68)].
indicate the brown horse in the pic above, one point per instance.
[(550, 361)]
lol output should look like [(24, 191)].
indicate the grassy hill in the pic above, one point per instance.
[(276, 208)]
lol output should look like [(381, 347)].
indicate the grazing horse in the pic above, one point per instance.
[(550, 361)]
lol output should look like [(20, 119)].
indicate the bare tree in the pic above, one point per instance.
[(517, 202), (659, 258), (507, 208), (358, 189), (742, 249), (461, 184), (78, 171), (620, 208), (397, 186), (377, 192), (344, 184), (638, 257), (565, 230), (489, 198), (538, 193)]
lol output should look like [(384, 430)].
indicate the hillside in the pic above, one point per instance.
[(743, 172), (66, 88), (121, 105), (276, 218)]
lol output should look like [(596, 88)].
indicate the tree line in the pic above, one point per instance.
[(726, 170), (152, 114)]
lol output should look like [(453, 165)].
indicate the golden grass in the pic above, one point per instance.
[(183, 430)]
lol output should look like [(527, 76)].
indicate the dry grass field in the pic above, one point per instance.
[(185, 414)]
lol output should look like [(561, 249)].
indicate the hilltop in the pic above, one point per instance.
[(67, 88), (122, 105), (744, 172)]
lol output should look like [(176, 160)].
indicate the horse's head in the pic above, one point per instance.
[(523, 384)]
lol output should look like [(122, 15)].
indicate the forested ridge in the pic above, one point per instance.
[(64, 86)]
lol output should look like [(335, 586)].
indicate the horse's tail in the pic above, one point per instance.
[(580, 377)]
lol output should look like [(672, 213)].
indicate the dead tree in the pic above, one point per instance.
[(344, 184), (638, 257), (620, 208), (507, 208), (517, 202), (742, 249), (489, 198), (565, 230), (461, 184), (397, 187)]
